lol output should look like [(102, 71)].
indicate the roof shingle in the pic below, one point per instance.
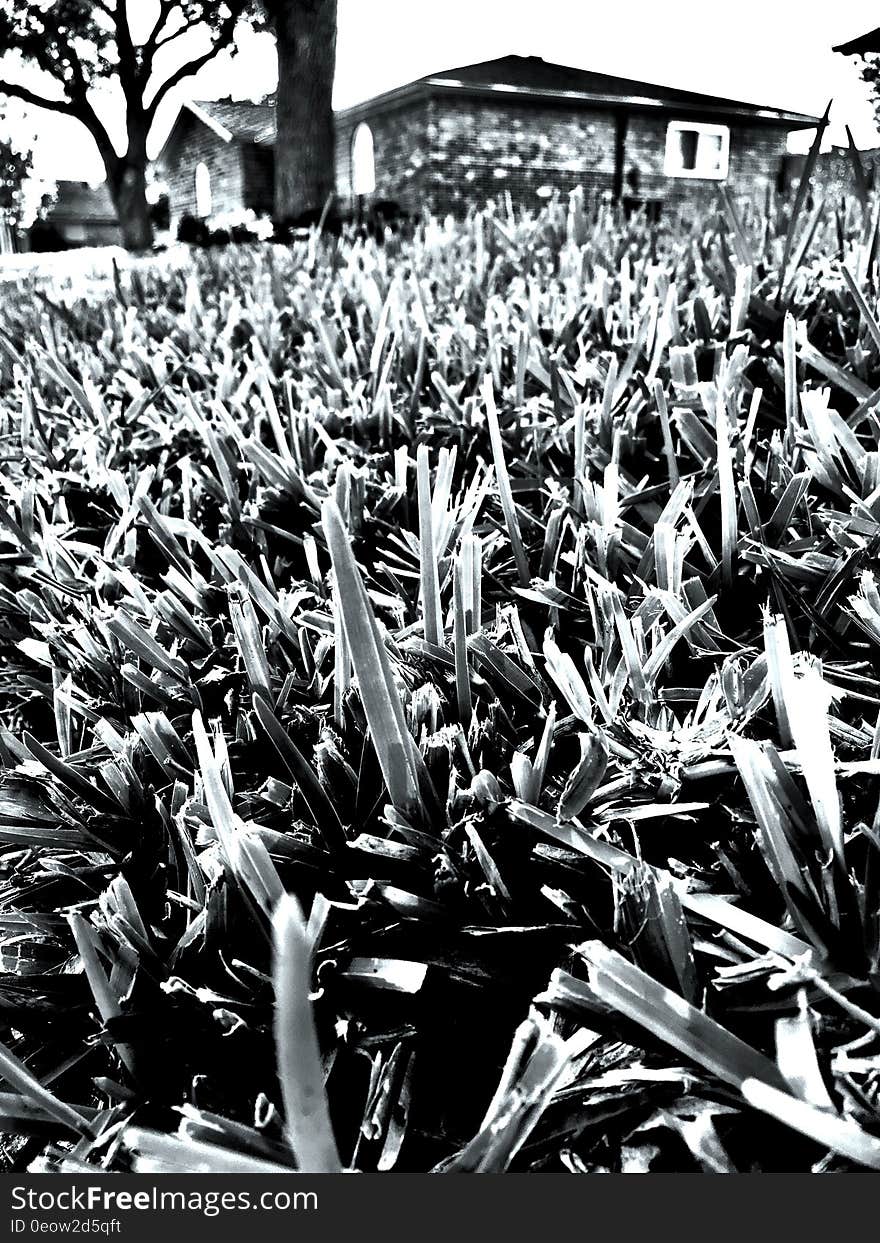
[(246, 121), (536, 74)]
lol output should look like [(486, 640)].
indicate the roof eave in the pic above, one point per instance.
[(200, 114), (750, 112), (206, 119), (452, 86), (399, 94)]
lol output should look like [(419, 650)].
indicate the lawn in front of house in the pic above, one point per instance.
[(507, 596)]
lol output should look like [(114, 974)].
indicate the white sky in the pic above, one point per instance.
[(773, 52)]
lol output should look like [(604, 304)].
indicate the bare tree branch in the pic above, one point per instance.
[(166, 8), (16, 91), (155, 38), (82, 109), (221, 39), (177, 34), (93, 123), (185, 71), (78, 107), (125, 49)]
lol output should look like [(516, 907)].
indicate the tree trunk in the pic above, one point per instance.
[(129, 192), (305, 32), (127, 179)]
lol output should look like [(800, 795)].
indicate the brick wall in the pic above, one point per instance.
[(483, 149), (755, 160), (195, 143), (403, 141), (449, 153)]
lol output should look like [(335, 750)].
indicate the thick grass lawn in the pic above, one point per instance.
[(439, 687)]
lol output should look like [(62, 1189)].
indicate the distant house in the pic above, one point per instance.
[(516, 124), (82, 215), (220, 158)]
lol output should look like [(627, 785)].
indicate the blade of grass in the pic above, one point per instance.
[(431, 612), (395, 746), (502, 478), (300, 1072), (830, 1131), (801, 198)]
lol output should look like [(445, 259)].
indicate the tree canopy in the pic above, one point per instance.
[(866, 49), (57, 56), (15, 166)]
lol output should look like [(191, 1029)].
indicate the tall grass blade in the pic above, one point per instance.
[(307, 1117)]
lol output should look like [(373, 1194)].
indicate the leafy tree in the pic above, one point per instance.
[(866, 51), (305, 35), (70, 49), (869, 70), (15, 167)]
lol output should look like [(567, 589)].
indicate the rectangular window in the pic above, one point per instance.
[(695, 149)]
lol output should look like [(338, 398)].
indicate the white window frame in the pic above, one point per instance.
[(363, 161), (204, 196), (671, 167)]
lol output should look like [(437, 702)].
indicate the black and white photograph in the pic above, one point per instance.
[(439, 597)]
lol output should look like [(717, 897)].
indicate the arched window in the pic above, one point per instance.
[(203, 190), (363, 161)]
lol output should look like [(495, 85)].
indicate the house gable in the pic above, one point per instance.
[(232, 144), (193, 145)]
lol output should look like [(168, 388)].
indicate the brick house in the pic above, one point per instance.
[(219, 158), (83, 215), (516, 124)]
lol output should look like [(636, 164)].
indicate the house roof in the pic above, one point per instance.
[(864, 45), (534, 79), (231, 120), (241, 119), (528, 78), (76, 202)]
